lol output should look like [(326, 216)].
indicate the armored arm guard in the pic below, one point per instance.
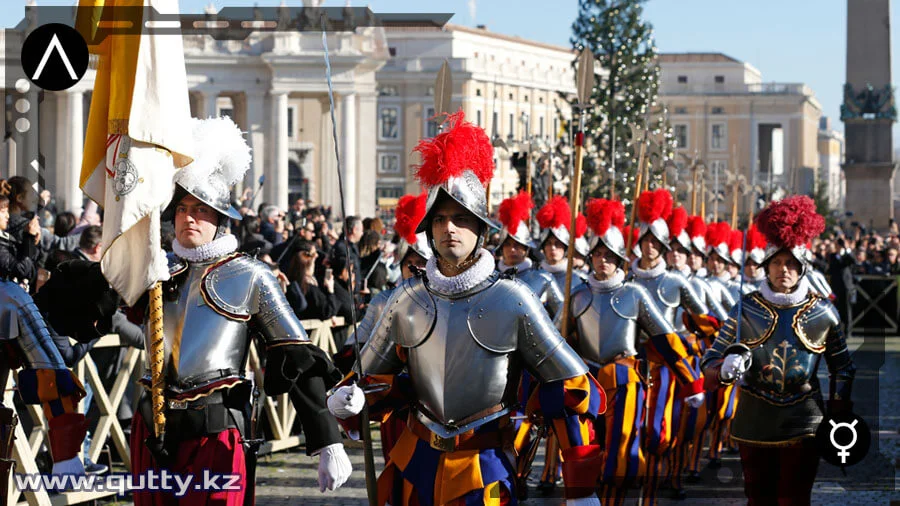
[(365, 327), (664, 343), (712, 302), (697, 316), (555, 299), (840, 366), (293, 364), (712, 359)]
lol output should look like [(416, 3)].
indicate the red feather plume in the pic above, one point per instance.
[(555, 213), (580, 225), (601, 213), (409, 213), (635, 234), (515, 210), (790, 222), (755, 238), (677, 221), (735, 240), (653, 205), (717, 233), (461, 146), (696, 227)]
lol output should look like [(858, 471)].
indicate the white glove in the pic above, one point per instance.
[(334, 467), (733, 367), (583, 501), (346, 401), (696, 400)]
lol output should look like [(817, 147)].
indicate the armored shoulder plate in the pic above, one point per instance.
[(813, 323), (758, 320), (670, 288), (413, 312), (229, 285), (495, 311), (626, 301), (176, 265), (581, 300)]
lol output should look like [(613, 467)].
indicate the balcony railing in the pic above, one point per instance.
[(736, 89)]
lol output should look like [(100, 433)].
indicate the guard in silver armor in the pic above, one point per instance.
[(670, 291), (785, 331), (214, 303), (554, 219), (463, 332), (515, 244), (718, 259), (754, 274)]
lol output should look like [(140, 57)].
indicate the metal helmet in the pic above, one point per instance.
[(420, 246), (717, 237), (554, 220), (789, 224), (514, 214), (457, 163), (696, 231), (736, 247), (654, 207), (221, 158), (677, 223), (756, 244), (605, 218)]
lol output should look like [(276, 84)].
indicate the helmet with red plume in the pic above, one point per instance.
[(514, 213), (677, 224), (581, 244), (409, 213), (756, 245), (457, 164), (554, 218), (696, 231), (717, 236), (736, 246), (654, 208), (606, 218), (789, 224)]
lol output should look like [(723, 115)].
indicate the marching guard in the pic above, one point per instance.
[(555, 239), (772, 344), (463, 332), (214, 303)]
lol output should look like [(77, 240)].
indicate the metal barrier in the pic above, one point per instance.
[(280, 414), (874, 310)]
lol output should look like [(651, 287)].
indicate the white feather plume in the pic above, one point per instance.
[(221, 155)]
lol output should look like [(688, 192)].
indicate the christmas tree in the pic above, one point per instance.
[(623, 45)]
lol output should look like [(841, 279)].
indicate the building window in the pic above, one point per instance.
[(717, 138), (387, 118), (512, 126), (720, 79), (541, 126), (392, 51), (478, 118), (494, 120), (431, 126), (228, 111), (556, 127), (389, 163), (290, 122), (681, 136), (682, 79), (389, 192), (718, 110), (526, 98), (478, 92), (510, 96), (387, 91), (681, 110)]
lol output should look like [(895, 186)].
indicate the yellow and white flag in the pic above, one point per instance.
[(137, 137)]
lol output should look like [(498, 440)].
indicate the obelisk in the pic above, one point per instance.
[(868, 113)]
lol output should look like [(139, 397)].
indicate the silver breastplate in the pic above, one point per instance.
[(560, 277), (607, 324), (666, 299), (544, 287), (208, 346), (722, 292)]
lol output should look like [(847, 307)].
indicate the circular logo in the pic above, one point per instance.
[(126, 177), (844, 439), (54, 56)]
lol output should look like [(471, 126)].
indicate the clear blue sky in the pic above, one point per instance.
[(787, 40)]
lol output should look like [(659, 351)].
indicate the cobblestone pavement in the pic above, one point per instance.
[(289, 478)]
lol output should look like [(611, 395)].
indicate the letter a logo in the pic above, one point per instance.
[(54, 57)]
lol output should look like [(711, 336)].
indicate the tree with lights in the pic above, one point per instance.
[(623, 44)]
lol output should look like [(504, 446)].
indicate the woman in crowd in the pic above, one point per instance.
[(18, 256), (309, 299)]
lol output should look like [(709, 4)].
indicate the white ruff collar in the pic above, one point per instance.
[(523, 266), (761, 277), (216, 248), (648, 273), (701, 272), (686, 271), (607, 285), (724, 277), (800, 294), (553, 269), (465, 280)]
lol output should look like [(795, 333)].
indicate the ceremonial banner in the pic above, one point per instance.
[(137, 137)]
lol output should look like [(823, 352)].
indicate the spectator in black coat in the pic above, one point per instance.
[(253, 240), (347, 246), (271, 224), (309, 299), (18, 258)]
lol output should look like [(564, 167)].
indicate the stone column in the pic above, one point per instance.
[(206, 103), (254, 125), (71, 194), (277, 175), (366, 156), (348, 151)]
